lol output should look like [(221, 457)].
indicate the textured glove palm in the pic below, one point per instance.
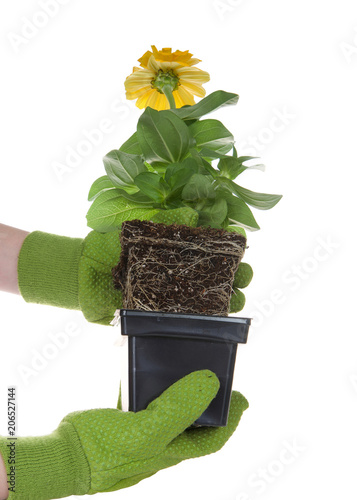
[(107, 449)]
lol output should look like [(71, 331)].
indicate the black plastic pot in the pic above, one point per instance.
[(164, 347)]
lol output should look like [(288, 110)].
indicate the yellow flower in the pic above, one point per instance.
[(165, 71)]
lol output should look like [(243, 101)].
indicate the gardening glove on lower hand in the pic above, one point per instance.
[(106, 449), (76, 273)]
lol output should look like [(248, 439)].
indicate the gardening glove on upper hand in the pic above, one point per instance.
[(107, 449), (76, 273), (242, 279)]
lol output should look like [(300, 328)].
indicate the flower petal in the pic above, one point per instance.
[(186, 96), (166, 66), (183, 58), (145, 59), (135, 94), (195, 75), (139, 86), (153, 64), (141, 75), (141, 102), (138, 80), (178, 100), (194, 88), (192, 62), (152, 101), (162, 102)]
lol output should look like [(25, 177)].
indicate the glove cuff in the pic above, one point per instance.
[(48, 269), (46, 467)]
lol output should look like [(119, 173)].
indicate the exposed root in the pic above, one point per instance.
[(177, 268)]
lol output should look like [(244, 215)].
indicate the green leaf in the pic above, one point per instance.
[(231, 170), (212, 134), (214, 214), (210, 103), (101, 184), (109, 211), (242, 159), (236, 229), (239, 213), (199, 187), (178, 174), (214, 155), (261, 201), (230, 167), (138, 198), (164, 138), (122, 168), (132, 145), (208, 169), (153, 186), (204, 166)]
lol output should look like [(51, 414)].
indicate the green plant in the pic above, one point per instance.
[(167, 164)]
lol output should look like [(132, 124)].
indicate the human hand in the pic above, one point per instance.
[(76, 273), (101, 253), (106, 449)]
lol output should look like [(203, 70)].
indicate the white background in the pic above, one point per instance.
[(299, 367)]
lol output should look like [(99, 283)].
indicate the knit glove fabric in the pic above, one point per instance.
[(76, 273), (106, 449)]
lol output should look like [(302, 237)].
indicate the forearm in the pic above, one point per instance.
[(11, 240), (4, 492), (62, 271)]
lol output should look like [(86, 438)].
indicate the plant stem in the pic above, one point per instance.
[(167, 90)]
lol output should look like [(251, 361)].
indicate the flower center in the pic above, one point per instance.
[(167, 79)]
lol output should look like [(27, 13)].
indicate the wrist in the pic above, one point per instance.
[(48, 269), (46, 467), (3, 480), (11, 241)]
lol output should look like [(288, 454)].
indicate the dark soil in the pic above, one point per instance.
[(177, 268)]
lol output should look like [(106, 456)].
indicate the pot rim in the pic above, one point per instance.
[(190, 326)]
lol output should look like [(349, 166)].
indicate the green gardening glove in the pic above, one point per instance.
[(107, 449), (76, 273)]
